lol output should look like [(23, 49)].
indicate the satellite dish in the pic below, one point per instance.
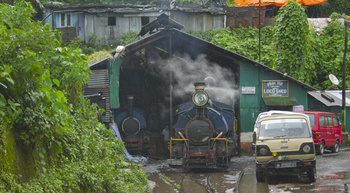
[(333, 79)]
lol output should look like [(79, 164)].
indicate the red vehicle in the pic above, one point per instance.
[(327, 133)]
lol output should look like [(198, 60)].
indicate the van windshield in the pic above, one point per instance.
[(311, 118), (283, 128)]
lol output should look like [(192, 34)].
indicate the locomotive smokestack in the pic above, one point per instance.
[(130, 101), (199, 85)]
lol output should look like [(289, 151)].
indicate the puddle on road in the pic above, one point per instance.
[(174, 180), (248, 184), (338, 182)]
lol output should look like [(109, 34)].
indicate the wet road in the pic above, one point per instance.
[(174, 180), (333, 175)]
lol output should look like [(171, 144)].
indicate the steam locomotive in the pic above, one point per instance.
[(207, 132), (133, 128)]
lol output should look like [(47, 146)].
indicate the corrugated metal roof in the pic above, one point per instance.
[(100, 8), (99, 79), (184, 38), (331, 97)]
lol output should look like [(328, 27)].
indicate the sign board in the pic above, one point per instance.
[(248, 89), (298, 108), (275, 88)]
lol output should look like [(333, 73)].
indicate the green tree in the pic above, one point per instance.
[(332, 51), (339, 6), (245, 41), (292, 42)]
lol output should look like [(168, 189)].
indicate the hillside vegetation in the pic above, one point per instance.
[(50, 139)]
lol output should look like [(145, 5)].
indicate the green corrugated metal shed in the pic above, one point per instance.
[(252, 75), (249, 75)]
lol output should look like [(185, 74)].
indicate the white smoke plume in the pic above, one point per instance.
[(220, 82)]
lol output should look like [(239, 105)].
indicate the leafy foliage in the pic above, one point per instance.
[(128, 38), (93, 44), (290, 46), (41, 104), (245, 41), (291, 36), (339, 6), (332, 51), (205, 35)]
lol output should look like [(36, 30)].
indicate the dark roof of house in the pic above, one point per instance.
[(128, 8)]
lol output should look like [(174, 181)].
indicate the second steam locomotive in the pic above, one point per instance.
[(133, 127), (207, 132)]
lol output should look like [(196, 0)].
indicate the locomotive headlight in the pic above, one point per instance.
[(200, 98)]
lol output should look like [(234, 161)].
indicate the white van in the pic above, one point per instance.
[(269, 113), (284, 146)]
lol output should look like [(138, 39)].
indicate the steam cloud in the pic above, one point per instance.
[(220, 82)]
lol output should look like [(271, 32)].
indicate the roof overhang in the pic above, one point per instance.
[(330, 98)]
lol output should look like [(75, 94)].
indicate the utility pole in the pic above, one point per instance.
[(346, 23), (259, 26)]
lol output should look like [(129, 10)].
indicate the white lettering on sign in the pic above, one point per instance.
[(248, 89), (275, 88)]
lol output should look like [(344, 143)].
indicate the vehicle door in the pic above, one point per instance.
[(337, 128), (330, 130), (322, 127), (315, 130)]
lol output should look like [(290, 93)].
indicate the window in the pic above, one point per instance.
[(336, 121), (322, 121), (68, 20), (312, 119), (112, 21), (283, 128), (329, 121), (65, 20)]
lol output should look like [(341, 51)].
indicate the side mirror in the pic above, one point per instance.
[(254, 140)]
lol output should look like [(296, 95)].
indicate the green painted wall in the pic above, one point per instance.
[(249, 103), (252, 104), (114, 71)]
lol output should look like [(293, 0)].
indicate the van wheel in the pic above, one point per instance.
[(312, 174), (322, 148), (260, 176), (335, 148)]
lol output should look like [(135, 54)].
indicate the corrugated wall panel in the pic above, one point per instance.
[(98, 79), (99, 83), (102, 102)]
